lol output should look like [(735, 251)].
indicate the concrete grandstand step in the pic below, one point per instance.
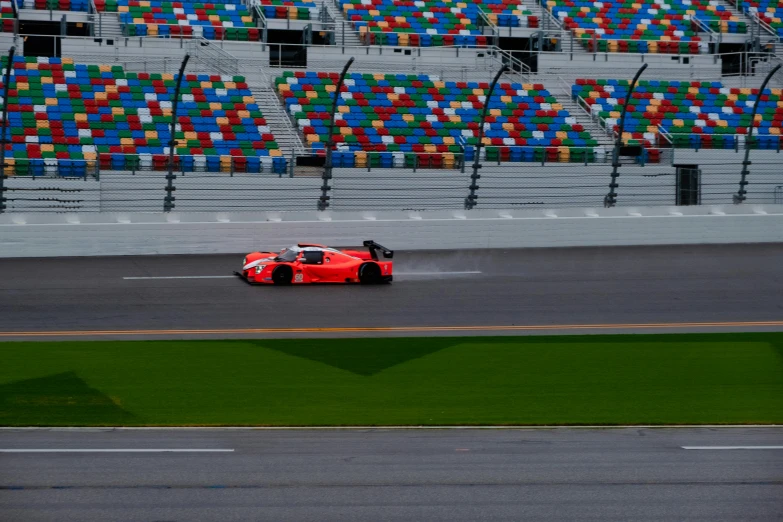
[(108, 26), (572, 45), (562, 92), (286, 136), (9, 39), (754, 29), (343, 33), (730, 6), (546, 21)]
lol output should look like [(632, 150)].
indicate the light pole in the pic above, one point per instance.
[(6, 85), (168, 201), (611, 198), (323, 201), (470, 201), (740, 197)]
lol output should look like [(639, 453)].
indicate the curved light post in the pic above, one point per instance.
[(6, 84), (470, 201), (323, 201), (168, 201), (611, 198), (740, 196)]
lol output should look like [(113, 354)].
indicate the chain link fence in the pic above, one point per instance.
[(694, 178)]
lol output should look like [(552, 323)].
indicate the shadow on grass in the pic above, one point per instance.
[(59, 399), (360, 356)]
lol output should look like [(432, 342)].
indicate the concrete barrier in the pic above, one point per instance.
[(99, 234)]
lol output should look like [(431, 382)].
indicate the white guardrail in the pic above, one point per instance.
[(94, 234)]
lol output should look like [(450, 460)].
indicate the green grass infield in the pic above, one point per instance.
[(564, 380)]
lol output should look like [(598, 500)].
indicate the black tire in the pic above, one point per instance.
[(369, 274), (282, 275)]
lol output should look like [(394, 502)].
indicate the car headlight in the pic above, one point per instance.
[(244, 261), (259, 268)]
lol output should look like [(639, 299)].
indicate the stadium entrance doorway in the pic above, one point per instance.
[(523, 49), (43, 38), (287, 49), (688, 185)]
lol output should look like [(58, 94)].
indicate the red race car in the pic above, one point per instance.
[(309, 263)]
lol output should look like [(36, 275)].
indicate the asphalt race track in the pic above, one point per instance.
[(380, 475), (474, 289), (386, 474)]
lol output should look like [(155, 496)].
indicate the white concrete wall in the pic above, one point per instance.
[(49, 235), (621, 65)]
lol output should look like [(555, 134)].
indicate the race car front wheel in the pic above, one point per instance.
[(282, 275), (369, 274)]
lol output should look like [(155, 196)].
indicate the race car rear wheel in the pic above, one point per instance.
[(282, 275), (369, 274)]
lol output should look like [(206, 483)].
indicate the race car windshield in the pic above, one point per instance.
[(288, 255)]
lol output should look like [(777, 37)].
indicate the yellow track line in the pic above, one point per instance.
[(386, 329)]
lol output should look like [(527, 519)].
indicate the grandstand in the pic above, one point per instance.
[(78, 114), (92, 91)]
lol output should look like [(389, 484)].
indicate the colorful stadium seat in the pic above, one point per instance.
[(7, 16), (769, 11), (424, 23), (109, 6), (83, 114), (421, 115), (644, 27), (508, 13), (713, 12), (229, 20), (695, 114), (287, 9), (61, 5)]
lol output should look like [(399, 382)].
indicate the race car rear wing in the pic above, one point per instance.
[(374, 247)]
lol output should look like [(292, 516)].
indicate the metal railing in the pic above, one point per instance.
[(261, 22), (214, 57), (760, 23), (549, 22), (275, 108), (736, 142), (187, 32), (546, 154), (600, 122), (483, 23), (416, 183), (666, 139), (138, 163), (715, 36), (593, 44), (558, 36), (581, 104), (95, 16), (764, 65)]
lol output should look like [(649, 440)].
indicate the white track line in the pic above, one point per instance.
[(732, 447), (121, 450), (234, 277), (436, 273), (187, 277)]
